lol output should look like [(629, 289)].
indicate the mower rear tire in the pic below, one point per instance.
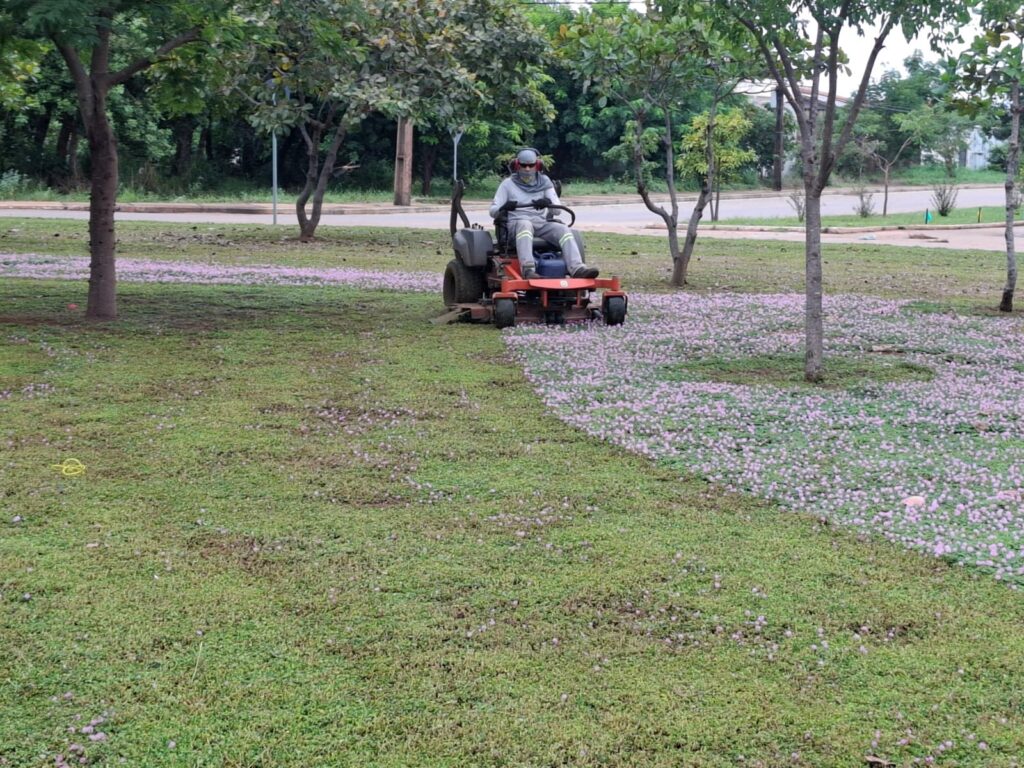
[(462, 284), (614, 310), (504, 313)]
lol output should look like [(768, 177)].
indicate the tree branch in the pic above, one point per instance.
[(862, 91), (147, 61), (83, 85)]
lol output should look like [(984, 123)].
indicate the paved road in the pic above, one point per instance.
[(630, 218)]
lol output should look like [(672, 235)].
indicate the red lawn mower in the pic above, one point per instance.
[(484, 282)]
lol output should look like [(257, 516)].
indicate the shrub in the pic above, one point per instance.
[(865, 202), (944, 198), (796, 199), (11, 183)]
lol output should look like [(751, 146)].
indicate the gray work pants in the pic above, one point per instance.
[(524, 230)]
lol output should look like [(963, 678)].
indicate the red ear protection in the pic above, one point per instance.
[(540, 162)]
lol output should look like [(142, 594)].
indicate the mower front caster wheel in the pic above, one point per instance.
[(504, 313), (614, 310)]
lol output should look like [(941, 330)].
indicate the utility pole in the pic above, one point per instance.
[(403, 163)]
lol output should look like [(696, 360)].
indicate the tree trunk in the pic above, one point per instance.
[(74, 167), (885, 193), (183, 130), (102, 301), (41, 127), (814, 328), (403, 162), (682, 265), (779, 138), (312, 171), (316, 180), (429, 152), (206, 140), (1012, 166)]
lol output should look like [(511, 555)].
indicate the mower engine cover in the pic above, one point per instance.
[(472, 246)]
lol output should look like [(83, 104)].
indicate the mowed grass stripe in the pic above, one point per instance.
[(326, 532)]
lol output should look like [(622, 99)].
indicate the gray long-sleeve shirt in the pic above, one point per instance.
[(509, 190)]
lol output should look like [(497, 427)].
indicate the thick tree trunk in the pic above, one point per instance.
[(403, 162), (814, 327), (1012, 166), (102, 301)]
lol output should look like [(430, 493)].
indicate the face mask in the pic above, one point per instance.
[(527, 175)]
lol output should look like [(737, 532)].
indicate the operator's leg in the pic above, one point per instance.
[(561, 235), (523, 230)]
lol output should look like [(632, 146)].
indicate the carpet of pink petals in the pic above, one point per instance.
[(147, 271), (936, 466)]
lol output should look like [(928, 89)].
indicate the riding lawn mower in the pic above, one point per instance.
[(484, 282)]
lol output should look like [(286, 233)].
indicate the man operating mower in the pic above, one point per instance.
[(526, 195)]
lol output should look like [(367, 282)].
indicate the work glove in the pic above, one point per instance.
[(541, 202), (511, 205)]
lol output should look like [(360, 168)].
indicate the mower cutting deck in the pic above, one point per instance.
[(484, 282)]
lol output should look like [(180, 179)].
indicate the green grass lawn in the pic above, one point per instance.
[(316, 529)]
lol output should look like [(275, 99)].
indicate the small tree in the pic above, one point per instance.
[(882, 154), (728, 156), (802, 39), (709, 149), (648, 62), (943, 132)]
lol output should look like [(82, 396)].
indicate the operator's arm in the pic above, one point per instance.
[(552, 198), (500, 199)]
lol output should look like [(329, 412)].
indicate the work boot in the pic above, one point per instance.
[(585, 272), (529, 273)]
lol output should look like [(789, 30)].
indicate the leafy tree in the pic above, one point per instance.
[(582, 130), (311, 70), (801, 39), (943, 132), (455, 62), (728, 154), (991, 71), (326, 65), (648, 63), (500, 49), (94, 37)]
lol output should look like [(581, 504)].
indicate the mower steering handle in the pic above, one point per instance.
[(570, 211)]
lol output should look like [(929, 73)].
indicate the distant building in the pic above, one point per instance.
[(979, 150)]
